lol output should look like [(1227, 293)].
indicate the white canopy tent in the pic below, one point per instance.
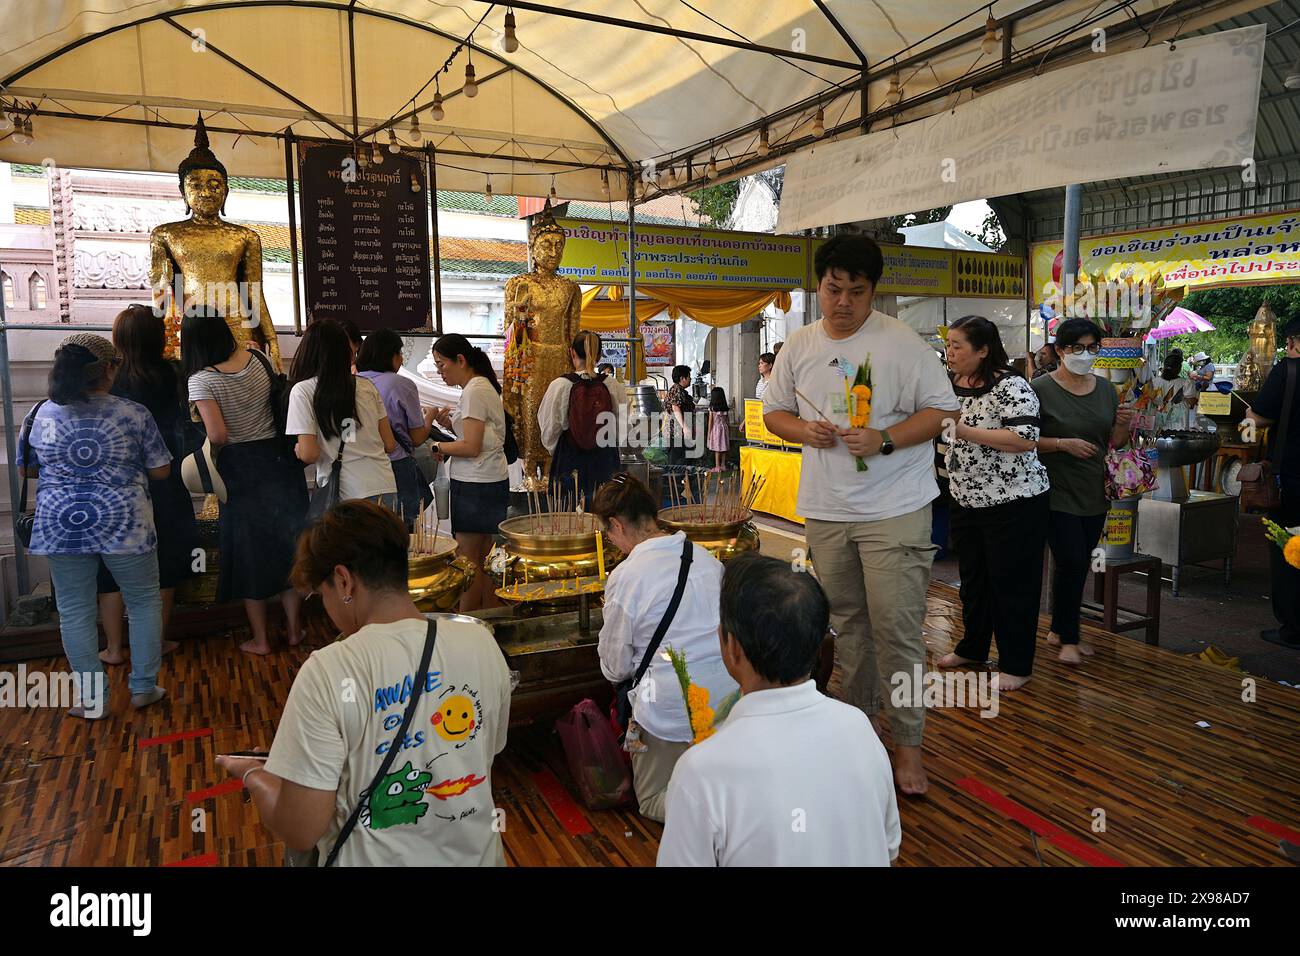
[(596, 87)]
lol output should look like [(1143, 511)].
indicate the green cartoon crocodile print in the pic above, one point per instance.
[(399, 798)]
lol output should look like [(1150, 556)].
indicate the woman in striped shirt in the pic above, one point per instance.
[(266, 490)]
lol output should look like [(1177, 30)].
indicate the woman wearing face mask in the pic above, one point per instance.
[(1081, 416)]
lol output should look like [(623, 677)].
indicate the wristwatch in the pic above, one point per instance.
[(886, 443)]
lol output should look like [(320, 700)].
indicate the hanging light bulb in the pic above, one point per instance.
[(415, 184), (764, 147), (471, 84), (6, 121), (376, 154), (895, 94), (510, 43), (394, 146), (436, 112), (819, 123), (713, 166), (414, 133), (1292, 80), (363, 160), (554, 197), (990, 42), (488, 192), (604, 182)]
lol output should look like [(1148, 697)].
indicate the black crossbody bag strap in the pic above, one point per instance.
[(421, 678), (25, 444), (1285, 420), (688, 554)]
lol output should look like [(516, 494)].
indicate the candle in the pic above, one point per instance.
[(600, 553)]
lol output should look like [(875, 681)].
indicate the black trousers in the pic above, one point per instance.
[(1284, 580), (1000, 558), (1072, 539)]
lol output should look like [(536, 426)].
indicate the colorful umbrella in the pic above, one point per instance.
[(1180, 321)]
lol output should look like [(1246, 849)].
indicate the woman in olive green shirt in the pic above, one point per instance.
[(1081, 418)]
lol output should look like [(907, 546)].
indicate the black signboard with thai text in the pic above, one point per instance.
[(365, 237)]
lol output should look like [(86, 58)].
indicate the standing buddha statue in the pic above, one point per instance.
[(204, 261), (542, 314)]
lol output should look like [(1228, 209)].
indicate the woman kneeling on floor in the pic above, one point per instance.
[(637, 595)]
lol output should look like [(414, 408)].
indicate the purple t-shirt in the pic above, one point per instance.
[(402, 404)]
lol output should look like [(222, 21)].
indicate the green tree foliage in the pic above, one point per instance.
[(1230, 310), (716, 203), (990, 232), (938, 214)]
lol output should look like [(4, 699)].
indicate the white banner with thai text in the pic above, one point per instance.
[(1145, 112)]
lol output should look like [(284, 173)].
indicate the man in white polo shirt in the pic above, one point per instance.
[(865, 490), (791, 777)]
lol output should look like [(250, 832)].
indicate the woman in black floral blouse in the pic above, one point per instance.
[(680, 409), (999, 490)]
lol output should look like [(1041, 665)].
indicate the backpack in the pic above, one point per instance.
[(587, 400), (278, 395)]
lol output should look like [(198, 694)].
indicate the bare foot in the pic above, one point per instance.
[(296, 638), (1008, 682), (1070, 654), (909, 774), (169, 646), (253, 647), (952, 660), (1087, 650), (110, 658)]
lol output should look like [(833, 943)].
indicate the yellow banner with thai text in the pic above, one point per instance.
[(1248, 249)]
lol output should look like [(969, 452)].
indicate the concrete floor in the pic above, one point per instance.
[(1205, 613)]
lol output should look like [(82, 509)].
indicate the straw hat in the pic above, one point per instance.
[(200, 475)]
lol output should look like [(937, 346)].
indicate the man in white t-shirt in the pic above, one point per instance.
[(865, 396), (791, 777)]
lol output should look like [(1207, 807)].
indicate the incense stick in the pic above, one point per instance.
[(814, 407)]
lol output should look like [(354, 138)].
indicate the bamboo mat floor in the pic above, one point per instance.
[(1099, 765)]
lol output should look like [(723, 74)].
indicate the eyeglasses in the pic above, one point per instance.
[(1092, 349)]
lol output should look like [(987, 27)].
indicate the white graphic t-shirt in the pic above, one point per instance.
[(905, 377), (434, 807)]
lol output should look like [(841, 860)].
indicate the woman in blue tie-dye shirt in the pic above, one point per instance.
[(94, 454)]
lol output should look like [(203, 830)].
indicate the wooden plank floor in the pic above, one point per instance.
[(1117, 735)]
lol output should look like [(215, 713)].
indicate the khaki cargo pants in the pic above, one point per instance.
[(875, 574)]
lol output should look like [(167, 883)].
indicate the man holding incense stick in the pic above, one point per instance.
[(865, 397)]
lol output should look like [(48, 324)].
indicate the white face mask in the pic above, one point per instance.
[(1080, 364)]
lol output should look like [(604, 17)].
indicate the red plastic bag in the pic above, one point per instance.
[(596, 761)]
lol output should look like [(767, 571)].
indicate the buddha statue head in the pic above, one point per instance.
[(546, 240), (202, 178)]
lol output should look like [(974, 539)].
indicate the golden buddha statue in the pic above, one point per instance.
[(542, 314), (1262, 332), (1248, 377), (203, 261)]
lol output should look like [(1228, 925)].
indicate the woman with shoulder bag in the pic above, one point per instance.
[(266, 492), (401, 776), (638, 595), (339, 420)]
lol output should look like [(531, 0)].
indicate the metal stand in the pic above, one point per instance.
[(1202, 528)]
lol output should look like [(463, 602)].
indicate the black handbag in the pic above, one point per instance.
[(325, 498), (312, 857), (25, 521), (620, 708)]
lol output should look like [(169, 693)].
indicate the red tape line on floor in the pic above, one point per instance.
[(207, 859), (230, 786), (557, 798), (1274, 829), (172, 738), (1048, 831)]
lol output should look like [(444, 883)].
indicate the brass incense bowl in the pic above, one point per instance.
[(555, 546), (722, 539), (436, 581)]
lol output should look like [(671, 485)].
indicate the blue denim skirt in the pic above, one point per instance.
[(478, 507)]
